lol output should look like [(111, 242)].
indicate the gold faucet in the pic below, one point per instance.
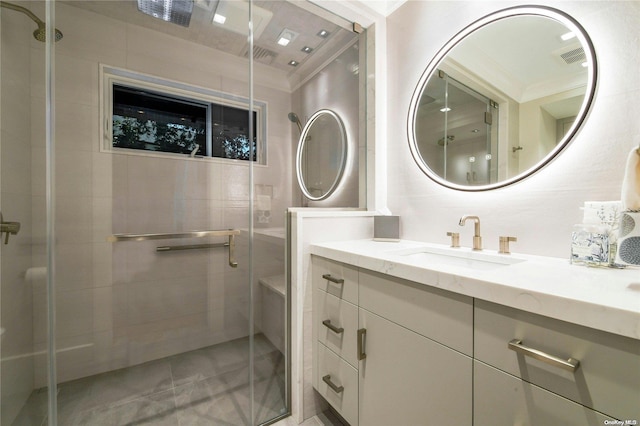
[(477, 239)]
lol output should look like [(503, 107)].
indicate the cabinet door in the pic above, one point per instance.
[(407, 379), (606, 380), (501, 399)]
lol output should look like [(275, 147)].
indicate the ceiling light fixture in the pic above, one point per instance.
[(307, 49), (286, 37), (293, 63), (445, 109), (567, 36), (323, 33), (220, 19)]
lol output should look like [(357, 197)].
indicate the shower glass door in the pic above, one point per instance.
[(135, 283), (460, 127), (22, 200)]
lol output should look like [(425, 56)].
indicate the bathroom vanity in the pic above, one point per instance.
[(407, 333)]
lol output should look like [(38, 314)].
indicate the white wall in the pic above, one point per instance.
[(541, 210)]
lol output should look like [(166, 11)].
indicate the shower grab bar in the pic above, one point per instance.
[(231, 233)]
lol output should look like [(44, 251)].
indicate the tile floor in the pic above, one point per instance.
[(209, 386)]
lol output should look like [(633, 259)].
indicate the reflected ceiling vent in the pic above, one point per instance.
[(175, 11), (260, 54), (573, 56)]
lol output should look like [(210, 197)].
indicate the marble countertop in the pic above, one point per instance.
[(601, 298)]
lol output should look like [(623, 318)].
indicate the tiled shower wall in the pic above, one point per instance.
[(16, 319), (121, 304)]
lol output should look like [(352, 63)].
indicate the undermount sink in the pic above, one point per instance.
[(458, 257)]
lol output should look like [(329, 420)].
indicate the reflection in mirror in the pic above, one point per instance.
[(502, 98), (322, 155)]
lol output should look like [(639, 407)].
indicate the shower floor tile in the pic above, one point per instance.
[(208, 386)]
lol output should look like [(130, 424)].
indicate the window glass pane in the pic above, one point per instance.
[(155, 122), (230, 128)]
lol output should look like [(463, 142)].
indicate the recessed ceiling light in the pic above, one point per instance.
[(323, 33), (220, 19), (472, 159), (487, 156), (445, 109), (286, 37), (307, 49), (567, 36), (293, 63), (475, 131)]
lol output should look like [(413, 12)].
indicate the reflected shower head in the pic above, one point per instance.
[(41, 33), (294, 119)]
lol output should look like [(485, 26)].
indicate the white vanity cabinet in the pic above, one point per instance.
[(540, 385), (410, 348), (335, 324), (418, 343)]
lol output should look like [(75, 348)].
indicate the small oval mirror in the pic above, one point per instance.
[(502, 98), (322, 155)]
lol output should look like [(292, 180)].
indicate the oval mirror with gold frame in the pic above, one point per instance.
[(502, 98)]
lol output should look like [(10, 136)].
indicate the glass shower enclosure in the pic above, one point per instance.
[(146, 164), (460, 128)]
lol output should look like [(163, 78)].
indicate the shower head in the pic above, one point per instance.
[(294, 119), (41, 33)]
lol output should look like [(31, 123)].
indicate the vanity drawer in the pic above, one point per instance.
[(339, 314), (340, 374), (338, 279), (608, 373), (437, 314), (503, 400)]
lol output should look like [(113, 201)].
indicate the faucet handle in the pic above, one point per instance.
[(504, 244), (455, 239)]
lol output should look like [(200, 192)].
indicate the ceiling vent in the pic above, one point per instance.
[(573, 56), (262, 55)]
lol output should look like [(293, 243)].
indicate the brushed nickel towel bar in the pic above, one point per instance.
[(231, 233), (191, 247)]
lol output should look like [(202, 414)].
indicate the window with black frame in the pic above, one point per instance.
[(152, 121)]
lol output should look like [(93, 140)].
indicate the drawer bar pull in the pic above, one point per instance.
[(569, 364), (327, 380), (332, 279), (362, 333), (337, 330)]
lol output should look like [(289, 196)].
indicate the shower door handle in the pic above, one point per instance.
[(8, 228)]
